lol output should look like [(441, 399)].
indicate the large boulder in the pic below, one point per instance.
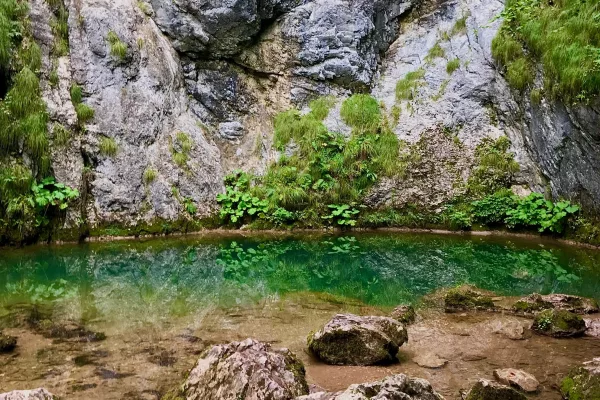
[(247, 370), (393, 387), (487, 390), (517, 378), (34, 394), (582, 383), (352, 340), (537, 302), (558, 323), (465, 298)]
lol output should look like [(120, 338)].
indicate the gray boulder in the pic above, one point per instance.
[(353, 340), (395, 387), (247, 370), (34, 394)]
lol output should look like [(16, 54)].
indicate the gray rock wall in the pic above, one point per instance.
[(219, 71)]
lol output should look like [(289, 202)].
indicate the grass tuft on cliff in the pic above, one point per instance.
[(563, 36)]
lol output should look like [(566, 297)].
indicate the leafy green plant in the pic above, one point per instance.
[(190, 206), (342, 214), (535, 211), (493, 209), (118, 49), (108, 146), (237, 203)]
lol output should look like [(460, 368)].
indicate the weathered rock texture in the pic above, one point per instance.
[(575, 304), (219, 71), (393, 387), (34, 394), (247, 370), (352, 340)]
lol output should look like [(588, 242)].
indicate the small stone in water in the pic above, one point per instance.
[(517, 378)]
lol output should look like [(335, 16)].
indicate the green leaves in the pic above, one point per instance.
[(342, 214), (535, 211), (237, 203)]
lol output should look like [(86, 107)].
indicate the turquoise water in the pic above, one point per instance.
[(156, 280)]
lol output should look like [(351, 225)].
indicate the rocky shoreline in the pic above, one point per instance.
[(253, 369)]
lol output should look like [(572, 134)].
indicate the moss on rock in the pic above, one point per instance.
[(405, 314), (464, 299), (582, 383), (559, 323), (487, 390)]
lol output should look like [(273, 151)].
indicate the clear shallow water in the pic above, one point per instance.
[(156, 281)]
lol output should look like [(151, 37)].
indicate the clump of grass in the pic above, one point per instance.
[(406, 88), (144, 7), (291, 125), (181, 157), (61, 134), (452, 66), (460, 27), (505, 48), (320, 107), (564, 36), (361, 111), (76, 94), (435, 52), (60, 30), (108, 146), (150, 175), (396, 111), (535, 96), (84, 112), (519, 74), (118, 49), (53, 79)]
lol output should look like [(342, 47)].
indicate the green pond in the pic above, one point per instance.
[(154, 281)]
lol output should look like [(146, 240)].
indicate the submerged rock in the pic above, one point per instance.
[(69, 331), (7, 343), (487, 390), (34, 394), (393, 387), (536, 302), (430, 360), (558, 323), (582, 383), (517, 378), (405, 314), (353, 340), (247, 370), (466, 298)]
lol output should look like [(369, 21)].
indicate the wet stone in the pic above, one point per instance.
[(349, 339), (430, 360), (535, 303), (517, 378), (7, 343), (397, 386), (465, 299), (69, 331), (487, 390)]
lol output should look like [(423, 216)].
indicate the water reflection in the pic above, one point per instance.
[(155, 281)]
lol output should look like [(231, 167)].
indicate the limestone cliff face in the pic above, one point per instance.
[(219, 70)]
